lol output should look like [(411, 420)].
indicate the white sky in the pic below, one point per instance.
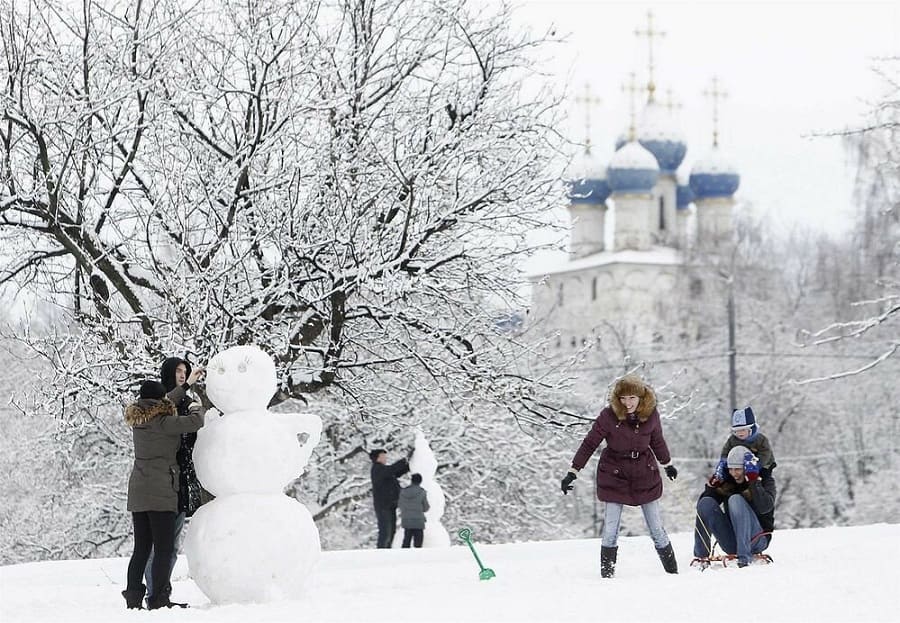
[(826, 575), (791, 69)]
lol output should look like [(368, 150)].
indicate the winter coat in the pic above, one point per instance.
[(758, 445), (760, 494), (628, 470), (413, 505), (156, 432), (385, 488), (190, 494)]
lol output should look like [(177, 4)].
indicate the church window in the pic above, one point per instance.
[(558, 340), (594, 289), (574, 342), (559, 295), (662, 214), (696, 287)]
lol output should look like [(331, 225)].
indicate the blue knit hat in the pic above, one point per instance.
[(742, 418)]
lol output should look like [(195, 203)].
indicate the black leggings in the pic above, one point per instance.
[(152, 530)]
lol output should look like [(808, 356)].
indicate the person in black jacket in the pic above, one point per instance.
[(737, 508), (386, 493), (177, 377)]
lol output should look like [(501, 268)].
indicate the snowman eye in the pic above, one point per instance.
[(242, 366)]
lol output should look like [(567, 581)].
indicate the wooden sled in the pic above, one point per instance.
[(715, 558)]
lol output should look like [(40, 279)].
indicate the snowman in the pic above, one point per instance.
[(252, 543), (424, 462)]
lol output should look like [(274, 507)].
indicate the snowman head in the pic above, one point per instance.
[(241, 378)]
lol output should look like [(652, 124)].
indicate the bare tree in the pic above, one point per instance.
[(347, 184)]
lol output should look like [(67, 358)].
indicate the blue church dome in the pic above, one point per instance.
[(632, 169), (683, 196), (714, 176), (586, 184), (659, 133)]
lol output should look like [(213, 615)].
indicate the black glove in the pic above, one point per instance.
[(671, 472), (567, 482)]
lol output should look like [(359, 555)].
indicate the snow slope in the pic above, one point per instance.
[(821, 575)]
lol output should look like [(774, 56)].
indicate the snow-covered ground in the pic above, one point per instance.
[(829, 574)]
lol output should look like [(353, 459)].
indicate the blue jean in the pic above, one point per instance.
[(179, 524), (734, 530), (652, 517)]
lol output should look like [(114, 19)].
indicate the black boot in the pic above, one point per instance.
[(667, 556), (134, 597), (608, 561), (161, 600)]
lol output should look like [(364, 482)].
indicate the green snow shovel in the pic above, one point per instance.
[(466, 535)]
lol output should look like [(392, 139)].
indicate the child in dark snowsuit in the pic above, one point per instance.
[(745, 432)]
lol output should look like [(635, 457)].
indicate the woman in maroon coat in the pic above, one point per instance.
[(628, 473)]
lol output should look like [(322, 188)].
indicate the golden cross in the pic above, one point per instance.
[(632, 88), (715, 93), (671, 104), (587, 100), (650, 34)]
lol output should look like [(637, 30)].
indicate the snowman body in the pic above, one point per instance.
[(252, 543)]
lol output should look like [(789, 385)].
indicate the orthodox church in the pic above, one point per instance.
[(636, 224)]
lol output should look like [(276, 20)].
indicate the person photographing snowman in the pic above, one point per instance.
[(178, 377)]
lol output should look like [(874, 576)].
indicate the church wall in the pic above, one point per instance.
[(628, 300), (632, 221), (587, 231), (714, 222)]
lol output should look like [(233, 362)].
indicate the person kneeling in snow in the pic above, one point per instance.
[(737, 508)]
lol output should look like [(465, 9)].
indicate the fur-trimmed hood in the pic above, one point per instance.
[(632, 385), (146, 409)]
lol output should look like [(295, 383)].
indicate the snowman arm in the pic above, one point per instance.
[(175, 425)]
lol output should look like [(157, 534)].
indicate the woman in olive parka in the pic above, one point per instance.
[(153, 489)]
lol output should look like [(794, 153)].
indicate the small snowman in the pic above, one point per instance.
[(252, 543), (424, 462)]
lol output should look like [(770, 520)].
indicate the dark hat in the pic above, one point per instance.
[(374, 454), (167, 371), (742, 418), (417, 479), (153, 389)]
